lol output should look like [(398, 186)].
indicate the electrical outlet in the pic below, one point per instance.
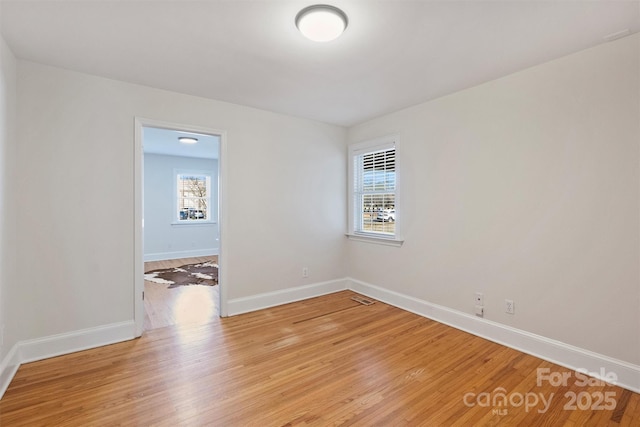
[(479, 298), (509, 306), (305, 271), (479, 311)]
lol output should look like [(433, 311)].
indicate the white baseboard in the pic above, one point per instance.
[(8, 368), (56, 345), (574, 358), (161, 256), (284, 296)]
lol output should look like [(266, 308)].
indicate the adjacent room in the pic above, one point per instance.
[(180, 232), (288, 213)]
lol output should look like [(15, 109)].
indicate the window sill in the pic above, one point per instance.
[(379, 240), (192, 223)]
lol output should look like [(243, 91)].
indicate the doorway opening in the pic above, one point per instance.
[(178, 225)]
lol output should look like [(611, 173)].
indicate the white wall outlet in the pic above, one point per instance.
[(509, 307), (305, 271), (479, 298), (479, 311)]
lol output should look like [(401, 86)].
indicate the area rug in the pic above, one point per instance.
[(205, 273)]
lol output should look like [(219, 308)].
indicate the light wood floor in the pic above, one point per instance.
[(324, 361), (183, 305)]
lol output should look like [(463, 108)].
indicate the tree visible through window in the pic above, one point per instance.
[(194, 197)]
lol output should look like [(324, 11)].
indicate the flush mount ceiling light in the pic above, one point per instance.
[(188, 140), (321, 22)]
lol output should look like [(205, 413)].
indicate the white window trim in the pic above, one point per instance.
[(176, 221), (192, 223), (371, 237)]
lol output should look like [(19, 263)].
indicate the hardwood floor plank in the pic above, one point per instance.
[(324, 361)]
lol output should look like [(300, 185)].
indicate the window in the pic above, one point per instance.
[(193, 197), (373, 189)]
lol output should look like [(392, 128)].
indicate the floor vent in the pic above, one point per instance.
[(363, 300)]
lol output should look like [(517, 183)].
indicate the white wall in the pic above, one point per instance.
[(7, 204), (525, 188), (76, 146), (163, 238)]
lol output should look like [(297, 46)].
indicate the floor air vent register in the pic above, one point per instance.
[(362, 300)]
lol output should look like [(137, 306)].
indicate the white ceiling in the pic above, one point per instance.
[(165, 141), (394, 53)]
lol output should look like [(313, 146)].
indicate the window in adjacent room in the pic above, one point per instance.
[(373, 189), (193, 197)]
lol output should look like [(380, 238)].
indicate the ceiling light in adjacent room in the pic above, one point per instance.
[(188, 140), (321, 22)]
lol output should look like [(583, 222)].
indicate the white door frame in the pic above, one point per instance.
[(138, 256)]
